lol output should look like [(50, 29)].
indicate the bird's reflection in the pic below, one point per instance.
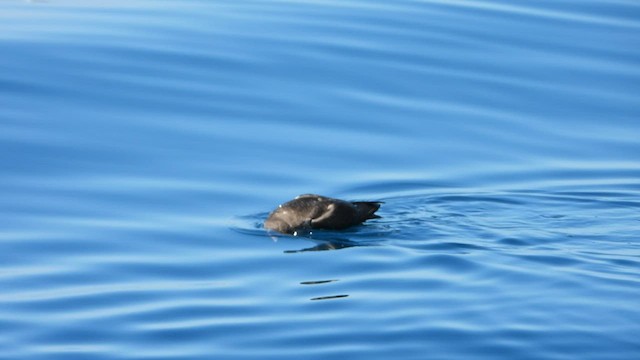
[(326, 244)]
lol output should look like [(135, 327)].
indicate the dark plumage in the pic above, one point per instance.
[(312, 211)]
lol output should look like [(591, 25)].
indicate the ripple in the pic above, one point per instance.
[(330, 297)]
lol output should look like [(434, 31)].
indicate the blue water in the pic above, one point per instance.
[(144, 142)]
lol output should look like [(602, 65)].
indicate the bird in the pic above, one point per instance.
[(312, 211)]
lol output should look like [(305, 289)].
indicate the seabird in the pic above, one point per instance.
[(311, 211)]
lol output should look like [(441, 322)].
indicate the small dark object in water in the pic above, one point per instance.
[(312, 211)]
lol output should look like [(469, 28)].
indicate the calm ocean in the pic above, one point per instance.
[(142, 144)]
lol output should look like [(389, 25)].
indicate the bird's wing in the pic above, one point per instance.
[(324, 216)]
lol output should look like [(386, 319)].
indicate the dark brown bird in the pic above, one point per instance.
[(312, 211)]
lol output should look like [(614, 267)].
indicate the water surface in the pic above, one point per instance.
[(143, 143)]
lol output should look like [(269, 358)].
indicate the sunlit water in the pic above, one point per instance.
[(144, 142)]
